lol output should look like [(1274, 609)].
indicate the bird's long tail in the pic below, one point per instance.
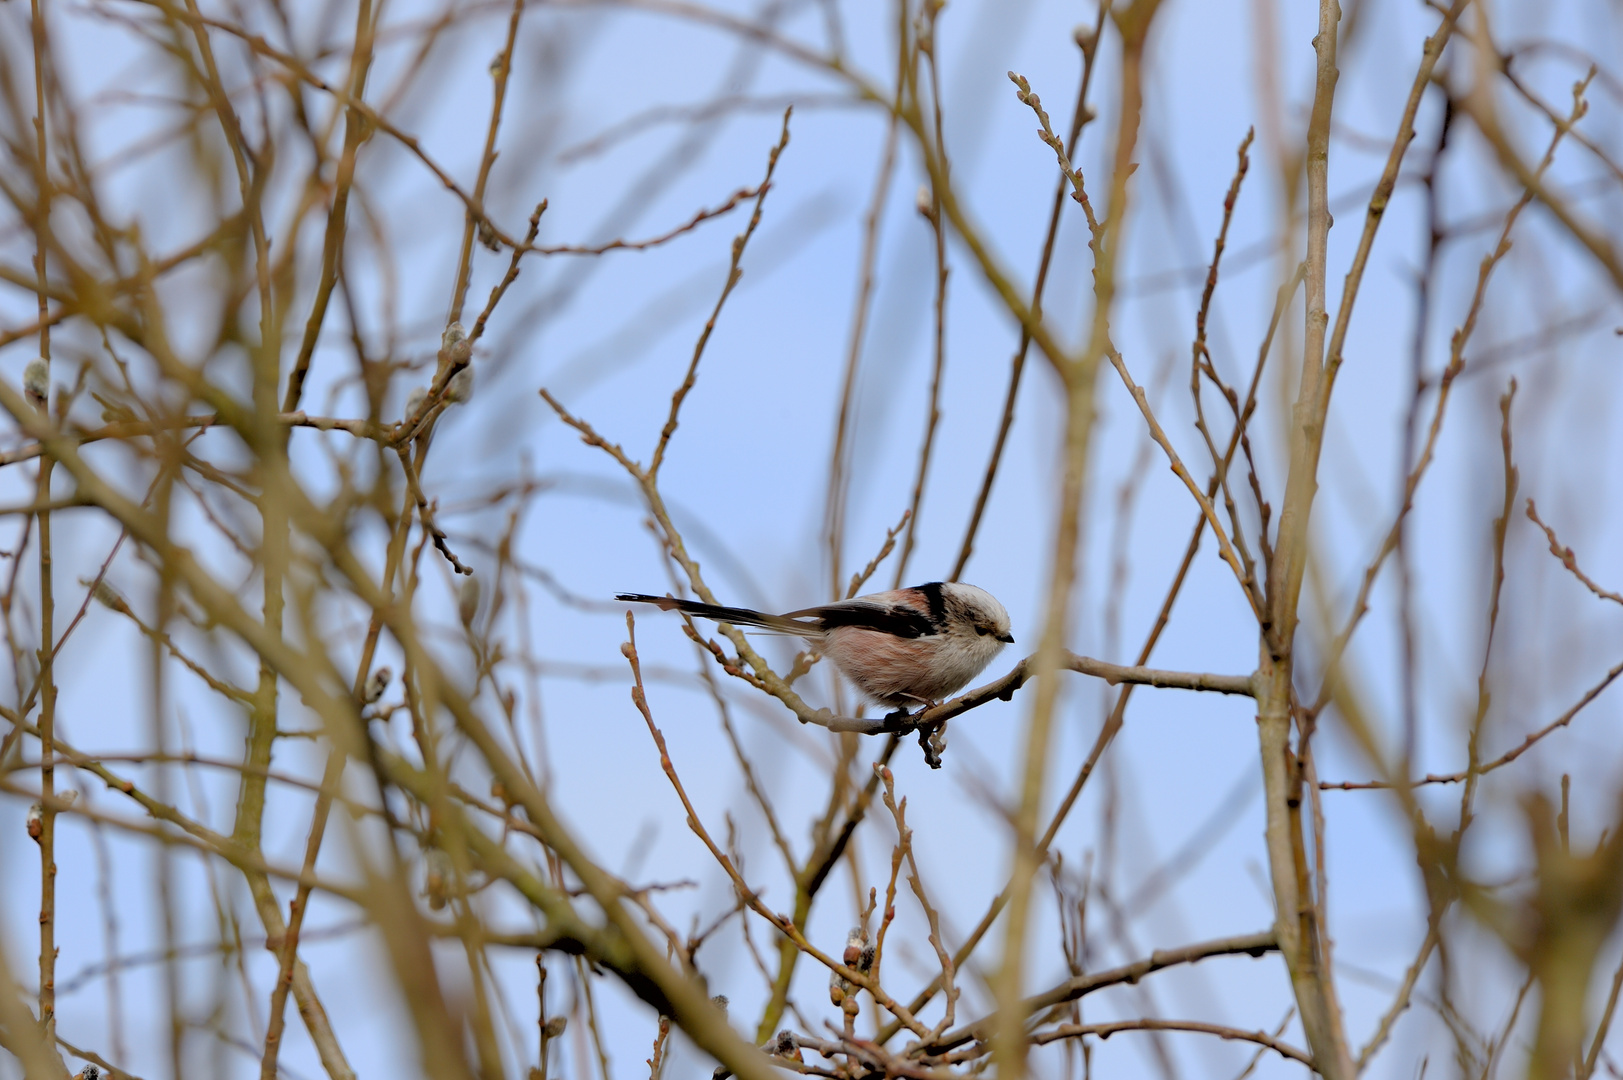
[(737, 616)]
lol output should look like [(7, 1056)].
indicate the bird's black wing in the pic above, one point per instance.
[(898, 620)]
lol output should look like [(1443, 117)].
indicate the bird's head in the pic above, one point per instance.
[(979, 610)]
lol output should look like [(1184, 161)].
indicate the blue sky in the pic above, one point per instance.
[(1178, 793)]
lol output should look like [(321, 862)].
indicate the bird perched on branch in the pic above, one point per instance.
[(901, 648)]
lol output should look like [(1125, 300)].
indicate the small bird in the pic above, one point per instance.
[(905, 647)]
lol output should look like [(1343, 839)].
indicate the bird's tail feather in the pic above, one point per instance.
[(737, 616)]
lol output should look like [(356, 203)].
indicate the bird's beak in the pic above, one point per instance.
[(1006, 638)]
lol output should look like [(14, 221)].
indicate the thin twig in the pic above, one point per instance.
[(1080, 115), (501, 71), (355, 132), (734, 273), (1201, 363), (1456, 364), (780, 922), (932, 416), (1502, 760), (904, 848), (1568, 559), (1253, 945), (699, 218), (508, 278), (1104, 1031), (1400, 1000), (839, 465)]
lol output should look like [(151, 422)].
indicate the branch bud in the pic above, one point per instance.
[(460, 389), (376, 685), (785, 1046), (455, 348), (37, 382), (414, 401), (108, 597)]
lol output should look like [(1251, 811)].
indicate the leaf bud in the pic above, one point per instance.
[(37, 382)]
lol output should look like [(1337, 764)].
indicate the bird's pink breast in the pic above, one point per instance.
[(892, 670)]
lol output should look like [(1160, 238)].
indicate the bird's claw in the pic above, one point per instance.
[(933, 740), (932, 737)]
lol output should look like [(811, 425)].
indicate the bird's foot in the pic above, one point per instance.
[(933, 740)]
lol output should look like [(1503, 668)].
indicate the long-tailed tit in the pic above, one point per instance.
[(905, 647)]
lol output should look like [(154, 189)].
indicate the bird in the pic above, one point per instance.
[(901, 648)]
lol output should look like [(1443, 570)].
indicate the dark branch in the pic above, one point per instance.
[(1248, 944)]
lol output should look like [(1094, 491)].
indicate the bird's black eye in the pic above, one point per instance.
[(982, 631)]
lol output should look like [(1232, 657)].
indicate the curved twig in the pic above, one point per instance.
[(1104, 1031), (1253, 945)]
